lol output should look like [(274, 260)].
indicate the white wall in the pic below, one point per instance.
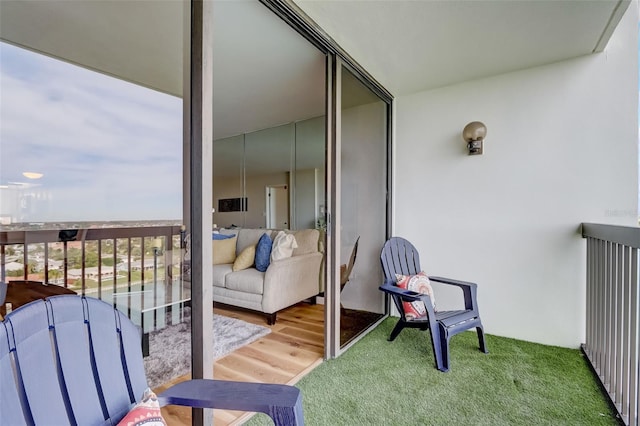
[(561, 149), (268, 156), (255, 216), (309, 172), (306, 207)]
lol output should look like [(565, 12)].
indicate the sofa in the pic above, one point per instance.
[(285, 282)]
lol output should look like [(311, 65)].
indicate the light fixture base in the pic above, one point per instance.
[(475, 147)]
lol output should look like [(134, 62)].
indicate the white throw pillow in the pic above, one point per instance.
[(283, 246)]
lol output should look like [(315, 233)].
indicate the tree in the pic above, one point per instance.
[(90, 258), (16, 273), (107, 247), (56, 254), (108, 261), (74, 258)]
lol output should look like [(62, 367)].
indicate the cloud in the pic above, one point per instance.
[(108, 149)]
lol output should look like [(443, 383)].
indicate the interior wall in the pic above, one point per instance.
[(310, 158), (561, 149), (305, 199), (255, 216), (264, 158), (223, 188)]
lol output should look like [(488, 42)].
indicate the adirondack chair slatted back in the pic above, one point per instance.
[(11, 395), (399, 256), (117, 356), (70, 339), (84, 363), (29, 330), (72, 360)]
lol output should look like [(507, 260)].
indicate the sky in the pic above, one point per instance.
[(107, 149)]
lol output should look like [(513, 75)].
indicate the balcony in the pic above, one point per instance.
[(141, 274), (137, 269)]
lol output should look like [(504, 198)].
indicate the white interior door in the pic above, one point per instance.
[(277, 207)]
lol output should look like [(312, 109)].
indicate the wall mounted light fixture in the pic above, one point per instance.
[(473, 134), (32, 175)]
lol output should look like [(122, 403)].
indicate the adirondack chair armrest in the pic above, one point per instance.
[(469, 290), (282, 403), (410, 296), (407, 295)]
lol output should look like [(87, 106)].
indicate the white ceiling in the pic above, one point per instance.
[(411, 46), (265, 74)]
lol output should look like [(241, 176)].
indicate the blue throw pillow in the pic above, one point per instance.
[(263, 252), (222, 236)]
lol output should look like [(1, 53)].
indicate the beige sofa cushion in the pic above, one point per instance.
[(246, 236), (245, 259), (249, 281), (307, 240), (224, 251), (219, 272)]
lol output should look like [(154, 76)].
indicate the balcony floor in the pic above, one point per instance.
[(293, 348)]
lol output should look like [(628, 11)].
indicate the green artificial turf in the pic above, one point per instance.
[(395, 383)]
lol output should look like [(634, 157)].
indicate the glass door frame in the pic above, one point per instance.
[(334, 71), (337, 59)]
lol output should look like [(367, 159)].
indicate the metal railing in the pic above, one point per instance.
[(137, 269), (612, 313)]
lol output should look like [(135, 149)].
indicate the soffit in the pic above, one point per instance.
[(138, 41), (410, 46)]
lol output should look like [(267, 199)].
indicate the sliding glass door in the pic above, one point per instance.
[(363, 213), (359, 212), (331, 167)]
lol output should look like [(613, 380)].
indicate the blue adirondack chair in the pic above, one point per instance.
[(399, 256), (71, 360)]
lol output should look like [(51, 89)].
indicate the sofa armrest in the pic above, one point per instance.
[(291, 280)]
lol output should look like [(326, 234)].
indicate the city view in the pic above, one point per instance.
[(108, 259), (136, 266)]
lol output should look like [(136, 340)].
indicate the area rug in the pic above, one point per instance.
[(170, 347)]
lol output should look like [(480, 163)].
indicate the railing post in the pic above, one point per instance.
[(623, 400), (3, 261), (633, 343), (617, 388), (612, 313), (606, 344), (591, 291)]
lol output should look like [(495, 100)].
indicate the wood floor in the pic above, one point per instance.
[(293, 348)]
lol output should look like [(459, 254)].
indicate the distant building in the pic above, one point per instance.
[(91, 273), (13, 266), (136, 265)]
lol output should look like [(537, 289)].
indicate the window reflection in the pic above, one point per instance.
[(287, 160), (78, 145)]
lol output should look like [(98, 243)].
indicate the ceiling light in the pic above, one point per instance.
[(32, 175)]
